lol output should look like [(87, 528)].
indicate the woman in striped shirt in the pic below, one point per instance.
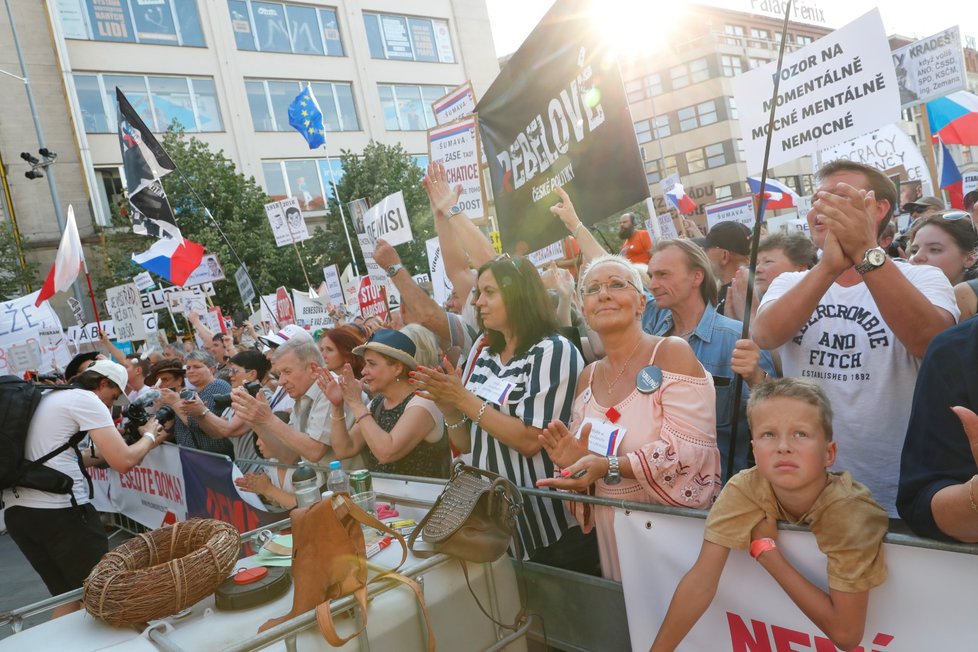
[(520, 377)]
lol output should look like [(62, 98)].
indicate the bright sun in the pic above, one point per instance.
[(635, 28)]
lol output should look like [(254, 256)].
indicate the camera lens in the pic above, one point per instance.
[(221, 402)]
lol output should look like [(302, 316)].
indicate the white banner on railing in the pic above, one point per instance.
[(147, 492), (751, 613)]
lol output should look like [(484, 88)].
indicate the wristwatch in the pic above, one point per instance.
[(614, 475), (394, 269), (872, 259), (454, 210)]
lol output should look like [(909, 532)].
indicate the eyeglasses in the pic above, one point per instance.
[(615, 285), (953, 216), (507, 257), (235, 370)]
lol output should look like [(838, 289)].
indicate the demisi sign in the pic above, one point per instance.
[(557, 116)]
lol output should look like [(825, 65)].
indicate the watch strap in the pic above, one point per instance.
[(867, 266), (394, 269)]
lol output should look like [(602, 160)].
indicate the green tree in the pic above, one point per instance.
[(13, 278), (378, 171)]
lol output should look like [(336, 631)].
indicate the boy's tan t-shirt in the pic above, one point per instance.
[(847, 523)]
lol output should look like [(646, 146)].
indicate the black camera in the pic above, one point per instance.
[(137, 415), (223, 401), (188, 394)]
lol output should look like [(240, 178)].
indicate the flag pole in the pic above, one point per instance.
[(755, 241), (339, 202), (302, 264), (91, 293)]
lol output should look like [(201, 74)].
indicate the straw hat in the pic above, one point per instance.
[(393, 344)]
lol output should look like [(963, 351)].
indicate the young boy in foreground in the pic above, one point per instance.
[(791, 422)]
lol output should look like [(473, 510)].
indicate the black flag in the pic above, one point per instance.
[(145, 162)]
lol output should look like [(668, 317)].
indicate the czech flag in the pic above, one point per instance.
[(680, 200), (67, 262), (776, 194), (954, 119), (951, 179), (172, 258)]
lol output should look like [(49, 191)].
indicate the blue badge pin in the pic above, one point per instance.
[(649, 379)]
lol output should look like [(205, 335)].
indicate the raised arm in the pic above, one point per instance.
[(424, 310), (564, 209), (463, 233)]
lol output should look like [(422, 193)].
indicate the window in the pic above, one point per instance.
[(653, 169), (740, 150), (421, 160), (679, 76), (408, 108), (639, 89), (191, 102), (269, 101), (643, 129), (722, 192), (803, 40), (278, 27), (408, 38), (699, 71), (695, 161), (730, 66), (762, 34), (755, 62), (163, 22), (711, 156), (308, 180), (734, 34), (699, 115), (109, 190)]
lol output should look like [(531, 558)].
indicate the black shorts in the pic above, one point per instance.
[(63, 545)]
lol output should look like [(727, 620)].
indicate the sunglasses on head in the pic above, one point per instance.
[(953, 216), (510, 259)]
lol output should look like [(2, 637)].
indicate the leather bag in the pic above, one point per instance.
[(329, 561), (474, 518)]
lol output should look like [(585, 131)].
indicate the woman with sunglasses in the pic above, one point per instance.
[(644, 416), (948, 240), (519, 378)]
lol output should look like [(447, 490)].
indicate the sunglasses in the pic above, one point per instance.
[(511, 260), (953, 216)]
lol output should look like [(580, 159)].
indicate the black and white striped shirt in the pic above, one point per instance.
[(541, 386)]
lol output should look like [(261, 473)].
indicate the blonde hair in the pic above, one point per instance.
[(631, 274), (800, 390), (425, 344)]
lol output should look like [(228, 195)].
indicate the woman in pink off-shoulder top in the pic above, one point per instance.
[(643, 425)]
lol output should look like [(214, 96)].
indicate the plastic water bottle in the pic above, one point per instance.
[(338, 481), (306, 485)]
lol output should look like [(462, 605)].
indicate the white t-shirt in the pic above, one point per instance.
[(60, 415), (867, 374)]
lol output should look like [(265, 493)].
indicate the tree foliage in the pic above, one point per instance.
[(13, 278)]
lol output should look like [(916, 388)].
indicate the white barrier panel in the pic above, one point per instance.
[(751, 613), (148, 491)]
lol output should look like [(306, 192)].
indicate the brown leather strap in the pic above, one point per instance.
[(520, 615), (358, 514), (324, 616)]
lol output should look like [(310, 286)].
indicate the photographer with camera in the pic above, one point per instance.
[(200, 369), (61, 534), (248, 369)]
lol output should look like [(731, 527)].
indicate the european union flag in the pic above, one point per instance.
[(306, 118)]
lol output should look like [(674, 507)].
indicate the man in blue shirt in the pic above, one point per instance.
[(684, 291)]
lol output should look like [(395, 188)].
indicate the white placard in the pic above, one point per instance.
[(374, 271), (839, 87), (553, 251), (667, 226), (126, 310), (287, 223), (421, 279), (969, 182), (788, 223), (888, 149), (457, 104), (182, 303), (334, 286), (930, 68), (268, 303), (441, 287), (732, 210), (652, 224), (143, 281), (78, 335), (388, 220), (54, 349), (245, 288), (309, 313), (157, 299), (208, 271), (456, 146)]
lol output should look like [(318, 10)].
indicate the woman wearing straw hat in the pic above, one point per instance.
[(402, 433)]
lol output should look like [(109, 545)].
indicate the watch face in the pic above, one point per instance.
[(876, 257), (455, 210)]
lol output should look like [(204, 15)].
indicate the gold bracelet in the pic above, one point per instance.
[(971, 493), (342, 417)]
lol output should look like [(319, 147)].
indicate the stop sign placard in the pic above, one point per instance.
[(283, 307)]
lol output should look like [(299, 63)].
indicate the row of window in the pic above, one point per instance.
[(685, 119), (192, 102), (694, 160), (759, 37), (257, 25)]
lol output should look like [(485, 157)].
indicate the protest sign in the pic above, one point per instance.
[(157, 299), (374, 271), (456, 146), (458, 103), (267, 305), (652, 223), (245, 288), (88, 334), (388, 220), (54, 349), (288, 225), (969, 182), (732, 210), (283, 307), (76, 310), (334, 287), (309, 313), (441, 287), (143, 281), (421, 279), (787, 223), (888, 149), (147, 492), (208, 271), (839, 87), (930, 68), (556, 115), (541, 257), (125, 307), (186, 301), (358, 208), (372, 298)]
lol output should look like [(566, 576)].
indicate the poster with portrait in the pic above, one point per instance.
[(288, 225)]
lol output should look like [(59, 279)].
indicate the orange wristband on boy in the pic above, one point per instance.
[(759, 546)]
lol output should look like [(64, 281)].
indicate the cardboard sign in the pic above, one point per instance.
[(157, 299), (541, 257), (245, 288), (372, 298), (126, 310), (334, 286), (839, 87), (310, 313), (457, 104), (556, 115), (288, 225), (88, 334), (388, 220), (456, 146), (143, 281), (374, 271), (208, 271), (283, 307), (888, 149), (930, 68), (732, 210)]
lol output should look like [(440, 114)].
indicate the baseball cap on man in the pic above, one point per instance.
[(113, 371), (923, 204), (732, 236), (281, 337)]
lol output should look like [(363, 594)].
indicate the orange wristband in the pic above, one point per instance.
[(760, 546)]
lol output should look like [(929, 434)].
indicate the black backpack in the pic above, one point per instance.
[(19, 400)]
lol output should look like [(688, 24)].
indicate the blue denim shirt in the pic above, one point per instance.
[(713, 343)]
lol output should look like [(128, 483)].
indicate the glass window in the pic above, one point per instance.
[(374, 40), (687, 118), (271, 27), (282, 93), (94, 118), (110, 20), (421, 160), (135, 91), (707, 112), (643, 131), (274, 180), (330, 172), (732, 108), (662, 129), (423, 38), (347, 108), (171, 103), (733, 33), (335, 101), (191, 32), (244, 35), (277, 27), (154, 22), (715, 156), (740, 150), (803, 40), (695, 161), (653, 169), (679, 76), (755, 62), (634, 91), (699, 70), (304, 184), (327, 104), (722, 192), (389, 107), (408, 38), (109, 190), (331, 32), (653, 85), (304, 30), (261, 115), (208, 108), (408, 108), (165, 22), (430, 94), (762, 34), (730, 66)]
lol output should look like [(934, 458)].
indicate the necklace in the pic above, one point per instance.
[(621, 371)]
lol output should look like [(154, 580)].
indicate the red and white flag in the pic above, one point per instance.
[(67, 263)]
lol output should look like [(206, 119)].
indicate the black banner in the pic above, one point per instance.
[(557, 115)]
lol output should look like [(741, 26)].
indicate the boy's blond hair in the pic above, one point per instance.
[(802, 390)]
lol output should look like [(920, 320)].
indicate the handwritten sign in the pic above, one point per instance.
[(930, 68), (125, 307)]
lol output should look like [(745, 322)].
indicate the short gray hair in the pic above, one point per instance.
[(306, 350), (203, 356), (631, 274)]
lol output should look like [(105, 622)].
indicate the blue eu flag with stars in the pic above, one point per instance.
[(306, 118)]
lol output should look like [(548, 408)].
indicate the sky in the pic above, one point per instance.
[(513, 20)]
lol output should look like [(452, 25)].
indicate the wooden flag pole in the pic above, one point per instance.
[(91, 293), (302, 264), (931, 159)]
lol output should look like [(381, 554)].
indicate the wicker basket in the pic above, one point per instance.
[(159, 573)]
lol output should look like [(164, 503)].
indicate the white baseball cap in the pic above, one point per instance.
[(287, 333), (113, 371)]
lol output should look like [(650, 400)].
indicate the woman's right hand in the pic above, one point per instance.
[(440, 194), (562, 446), (329, 387), (442, 387), (254, 482), (564, 209), (352, 389)]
